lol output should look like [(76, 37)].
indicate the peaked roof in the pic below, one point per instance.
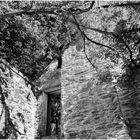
[(50, 80)]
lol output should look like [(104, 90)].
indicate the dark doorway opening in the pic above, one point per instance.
[(54, 116)]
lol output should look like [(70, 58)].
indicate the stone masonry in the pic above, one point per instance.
[(90, 108)]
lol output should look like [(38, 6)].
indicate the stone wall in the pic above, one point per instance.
[(18, 108), (76, 71), (130, 101), (90, 107)]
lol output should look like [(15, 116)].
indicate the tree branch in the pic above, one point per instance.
[(116, 36), (17, 12), (29, 12), (94, 42), (55, 11), (121, 5), (86, 54), (18, 74)]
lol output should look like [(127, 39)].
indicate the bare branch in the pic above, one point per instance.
[(28, 11), (83, 33), (81, 11), (116, 36), (121, 5), (53, 11), (18, 74), (96, 30), (86, 54), (130, 52), (28, 8), (56, 11)]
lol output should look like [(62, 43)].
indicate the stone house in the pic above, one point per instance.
[(87, 108), (90, 108)]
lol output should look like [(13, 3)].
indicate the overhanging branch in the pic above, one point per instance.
[(116, 36), (94, 42), (54, 11), (29, 12), (17, 12), (121, 5), (86, 54), (18, 74), (57, 11)]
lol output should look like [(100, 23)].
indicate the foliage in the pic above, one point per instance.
[(20, 47), (43, 30), (112, 35), (32, 34), (31, 42)]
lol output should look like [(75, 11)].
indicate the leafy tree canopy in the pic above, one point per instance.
[(34, 33)]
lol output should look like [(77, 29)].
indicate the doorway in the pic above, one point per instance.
[(54, 116)]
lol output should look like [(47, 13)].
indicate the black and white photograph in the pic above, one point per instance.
[(70, 69)]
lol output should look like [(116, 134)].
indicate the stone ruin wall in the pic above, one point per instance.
[(90, 109), (76, 72), (21, 104)]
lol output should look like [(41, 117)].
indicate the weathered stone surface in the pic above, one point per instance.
[(130, 104), (90, 108), (21, 104), (76, 71)]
